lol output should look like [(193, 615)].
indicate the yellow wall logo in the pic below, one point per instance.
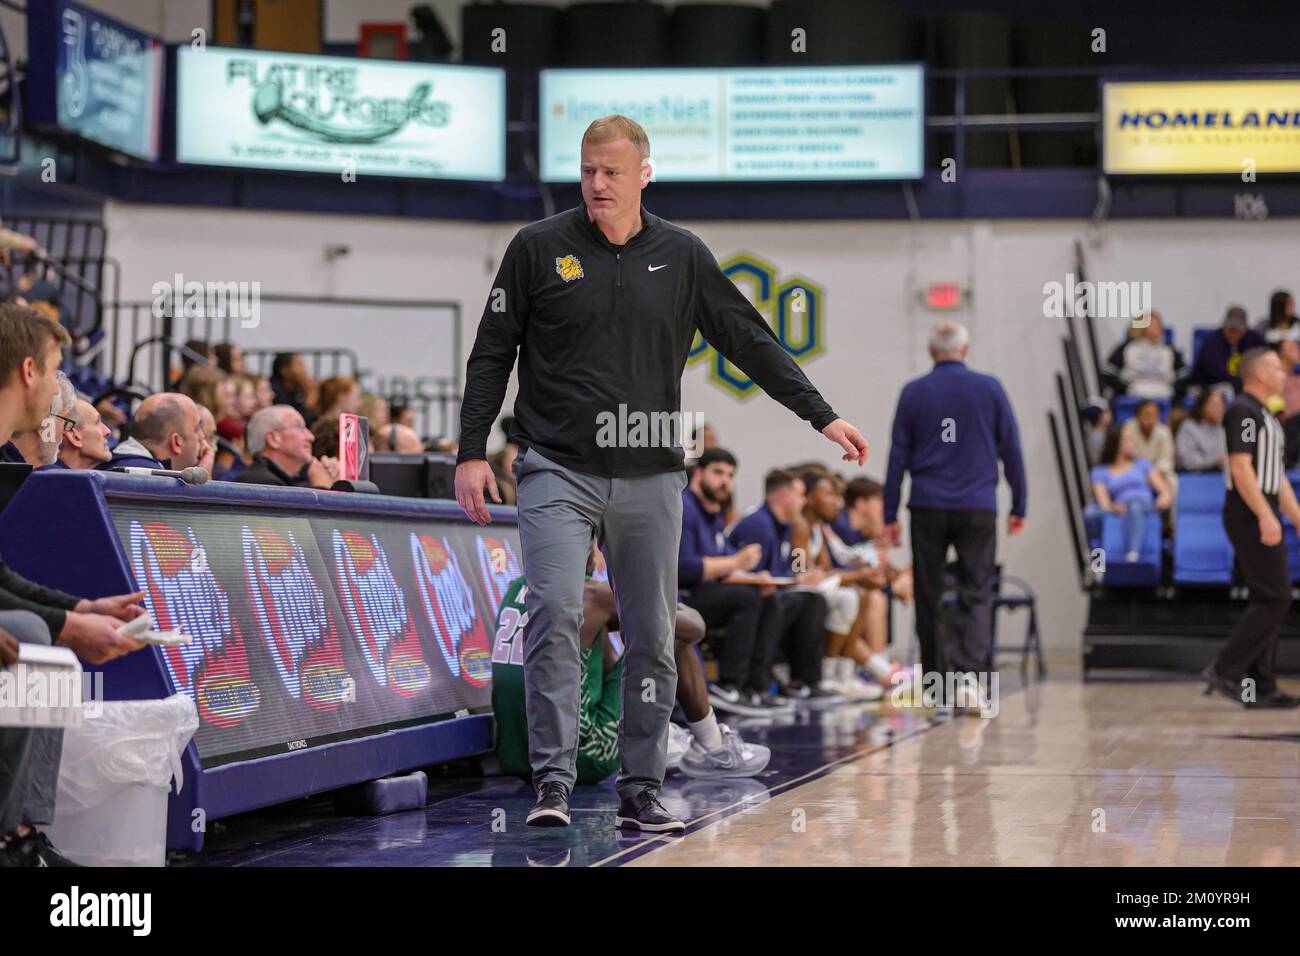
[(1198, 127), (568, 267), (794, 308)]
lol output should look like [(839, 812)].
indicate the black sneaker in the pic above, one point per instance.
[(643, 811), (1275, 700), (769, 702), (1214, 681), (727, 699), (552, 806), (35, 849)]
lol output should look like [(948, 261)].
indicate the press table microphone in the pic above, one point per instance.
[(194, 475)]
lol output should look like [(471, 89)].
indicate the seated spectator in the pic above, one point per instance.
[(340, 395), (230, 459), (85, 441), (1145, 365), (30, 350), (375, 408), (325, 437), (1097, 419), (848, 603), (864, 506), (246, 400), (398, 438), (1219, 358), (1123, 484), (40, 446), (1152, 441), (1200, 444), (1281, 322), (1288, 350), (208, 423), (281, 445), (230, 359), (739, 607), (800, 620), (291, 384), (210, 388), (196, 354), (166, 432), (401, 411)]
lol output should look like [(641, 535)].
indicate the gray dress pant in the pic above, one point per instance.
[(638, 524)]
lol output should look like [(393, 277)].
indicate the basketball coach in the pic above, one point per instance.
[(600, 304)]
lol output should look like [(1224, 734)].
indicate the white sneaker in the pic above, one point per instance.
[(970, 698), (679, 741), (734, 758), (831, 674), (852, 686)]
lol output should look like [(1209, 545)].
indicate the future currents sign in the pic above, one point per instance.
[(339, 115)]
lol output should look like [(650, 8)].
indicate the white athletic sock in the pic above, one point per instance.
[(879, 666), (706, 732)]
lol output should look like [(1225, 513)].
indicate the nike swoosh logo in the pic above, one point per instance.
[(657, 268)]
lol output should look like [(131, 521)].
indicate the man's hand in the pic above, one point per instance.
[(747, 558), (1163, 502), (810, 579), (850, 439), (1117, 508), (471, 478), (8, 649), (1270, 530), (95, 638), (893, 534), (320, 474), (124, 607), (1015, 525)]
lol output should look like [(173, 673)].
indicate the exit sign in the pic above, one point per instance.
[(944, 296)]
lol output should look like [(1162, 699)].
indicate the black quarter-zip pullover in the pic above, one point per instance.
[(597, 326)]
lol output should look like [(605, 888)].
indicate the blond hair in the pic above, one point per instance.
[(607, 129)]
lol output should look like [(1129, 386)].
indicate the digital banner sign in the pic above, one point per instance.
[(1201, 127), (746, 124), (339, 115), (95, 76), (309, 630)]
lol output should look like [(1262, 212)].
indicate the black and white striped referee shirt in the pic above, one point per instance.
[(1250, 428)]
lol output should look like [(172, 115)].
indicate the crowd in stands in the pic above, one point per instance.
[(1177, 420), (237, 425)]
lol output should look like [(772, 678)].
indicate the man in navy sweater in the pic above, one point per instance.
[(951, 428), (737, 604)]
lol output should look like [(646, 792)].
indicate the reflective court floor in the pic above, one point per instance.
[(1068, 773)]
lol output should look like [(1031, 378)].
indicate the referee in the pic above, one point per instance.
[(600, 305), (1257, 492)]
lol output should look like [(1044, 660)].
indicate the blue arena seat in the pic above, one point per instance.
[(1124, 406), (1202, 552), (1198, 336), (1145, 571)]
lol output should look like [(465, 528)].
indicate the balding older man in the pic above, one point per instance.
[(952, 427), (280, 442), (398, 438), (85, 441), (166, 432)]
